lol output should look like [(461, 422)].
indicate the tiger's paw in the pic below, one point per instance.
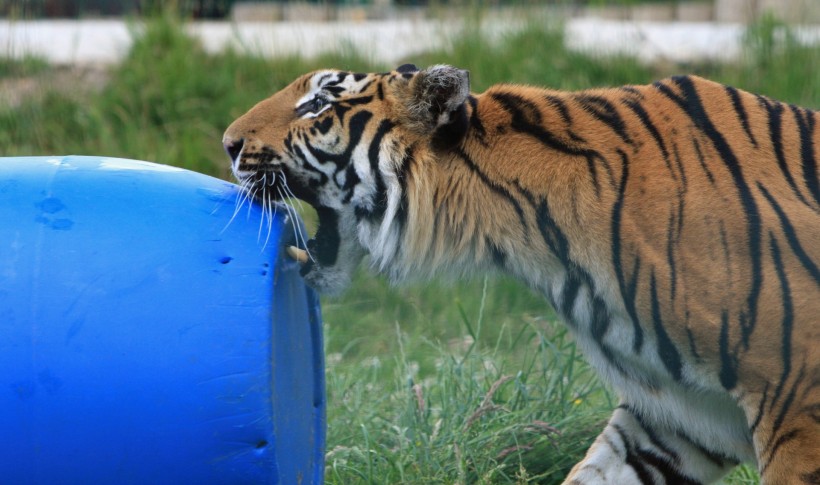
[(327, 280), (330, 258)]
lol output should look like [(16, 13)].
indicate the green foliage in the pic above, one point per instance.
[(775, 63), (519, 406), (169, 101), (535, 55), (26, 66)]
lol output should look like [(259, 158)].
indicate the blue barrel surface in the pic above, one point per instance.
[(147, 336)]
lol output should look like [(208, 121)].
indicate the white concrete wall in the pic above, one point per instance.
[(387, 42)]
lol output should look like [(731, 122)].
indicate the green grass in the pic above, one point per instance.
[(26, 66), (474, 382)]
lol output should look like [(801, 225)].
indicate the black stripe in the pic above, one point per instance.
[(788, 318), (791, 236), (724, 244), (650, 433), (643, 116), (760, 410), (380, 197), (365, 86), (324, 125), (665, 467), (671, 239), (632, 90), (357, 100), (718, 458), (405, 167), (728, 361), (783, 439), (737, 104), (561, 107), (775, 113), (569, 293), (632, 460), (681, 170), (523, 112), (554, 238), (352, 179), (605, 112), (497, 254), (296, 152), (558, 245), (475, 121), (693, 349), (628, 292), (325, 244), (340, 110), (355, 129), (805, 124), (495, 187), (322, 79), (702, 161), (598, 329), (813, 410), (691, 103), (450, 134), (336, 90), (787, 403), (666, 348), (340, 76), (811, 478), (526, 118)]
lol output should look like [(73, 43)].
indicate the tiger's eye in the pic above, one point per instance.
[(316, 104)]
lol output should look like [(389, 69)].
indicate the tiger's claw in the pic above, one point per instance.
[(299, 255)]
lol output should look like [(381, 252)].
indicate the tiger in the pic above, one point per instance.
[(674, 227)]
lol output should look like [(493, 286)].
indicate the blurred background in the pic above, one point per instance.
[(454, 382), (300, 10)]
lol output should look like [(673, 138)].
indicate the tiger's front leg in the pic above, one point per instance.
[(631, 450)]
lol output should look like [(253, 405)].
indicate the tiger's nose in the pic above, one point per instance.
[(233, 147)]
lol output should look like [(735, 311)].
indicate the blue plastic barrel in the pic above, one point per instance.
[(147, 336)]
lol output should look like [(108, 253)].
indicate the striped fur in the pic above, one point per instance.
[(675, 227)]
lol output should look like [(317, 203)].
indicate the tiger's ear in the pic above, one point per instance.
[(436, 98)]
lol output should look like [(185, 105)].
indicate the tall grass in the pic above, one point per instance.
[(469, 383), (476, 417)]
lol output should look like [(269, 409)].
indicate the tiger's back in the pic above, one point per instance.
[(705, 199), (675, 227)]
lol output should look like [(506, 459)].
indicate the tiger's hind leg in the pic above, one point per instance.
[(631, 450), (787, 435)]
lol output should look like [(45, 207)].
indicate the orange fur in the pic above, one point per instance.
[(684, 215)]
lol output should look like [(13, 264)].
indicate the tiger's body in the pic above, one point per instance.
[(675, 227)]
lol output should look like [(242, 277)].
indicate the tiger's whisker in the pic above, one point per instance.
[(268, 202), (262, 218), (240, 201), (297, 230), (290, 193)]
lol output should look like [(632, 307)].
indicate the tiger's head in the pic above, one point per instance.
[(342, 142)]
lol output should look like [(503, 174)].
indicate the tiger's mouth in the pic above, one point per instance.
[(270, 187), (323, 248), (328, 259)]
